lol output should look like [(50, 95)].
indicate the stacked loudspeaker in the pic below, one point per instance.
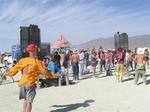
[(121, 41), (29, 35)]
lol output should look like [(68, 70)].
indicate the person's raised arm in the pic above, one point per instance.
[(14, 70)]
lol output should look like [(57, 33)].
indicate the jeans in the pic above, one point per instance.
[(81, 67), (64, 76), (75, 69), (130, 64), (108, 68), (86, 64), (102, 64)]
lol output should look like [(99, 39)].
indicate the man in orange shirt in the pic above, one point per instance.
[(31, 68)]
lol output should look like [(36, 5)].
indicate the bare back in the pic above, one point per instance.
[(140, 59)]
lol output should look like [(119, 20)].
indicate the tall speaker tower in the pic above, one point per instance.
[(29, 35)]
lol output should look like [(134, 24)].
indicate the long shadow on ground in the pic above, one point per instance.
[(8, 82), (128, 79), (148, 82), (86, 77), (71, 107)]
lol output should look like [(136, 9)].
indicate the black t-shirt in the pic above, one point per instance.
[(57, 57)]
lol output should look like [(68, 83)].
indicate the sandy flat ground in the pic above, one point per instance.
[(100, 94)]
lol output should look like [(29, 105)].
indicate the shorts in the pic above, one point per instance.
[(140, 69), (27, 93), (93, 63)]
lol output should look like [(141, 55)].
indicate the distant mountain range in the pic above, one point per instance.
[(108, 43)]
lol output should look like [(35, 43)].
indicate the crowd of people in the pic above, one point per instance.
[(78, 62), (102, 61)]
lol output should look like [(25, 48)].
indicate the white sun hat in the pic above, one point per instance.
[(140, 51)]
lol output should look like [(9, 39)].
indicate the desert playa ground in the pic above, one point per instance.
[(96, 94)]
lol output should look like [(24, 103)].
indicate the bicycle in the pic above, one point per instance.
[(2, 77)]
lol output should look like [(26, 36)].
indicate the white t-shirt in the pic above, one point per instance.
[(81, 56), (126, 57)]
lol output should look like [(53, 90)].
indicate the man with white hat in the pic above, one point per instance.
[(140, 68)]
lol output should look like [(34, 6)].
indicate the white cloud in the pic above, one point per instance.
[(72, 18), (44, 1)]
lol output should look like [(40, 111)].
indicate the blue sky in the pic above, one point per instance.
[(78, 20)]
